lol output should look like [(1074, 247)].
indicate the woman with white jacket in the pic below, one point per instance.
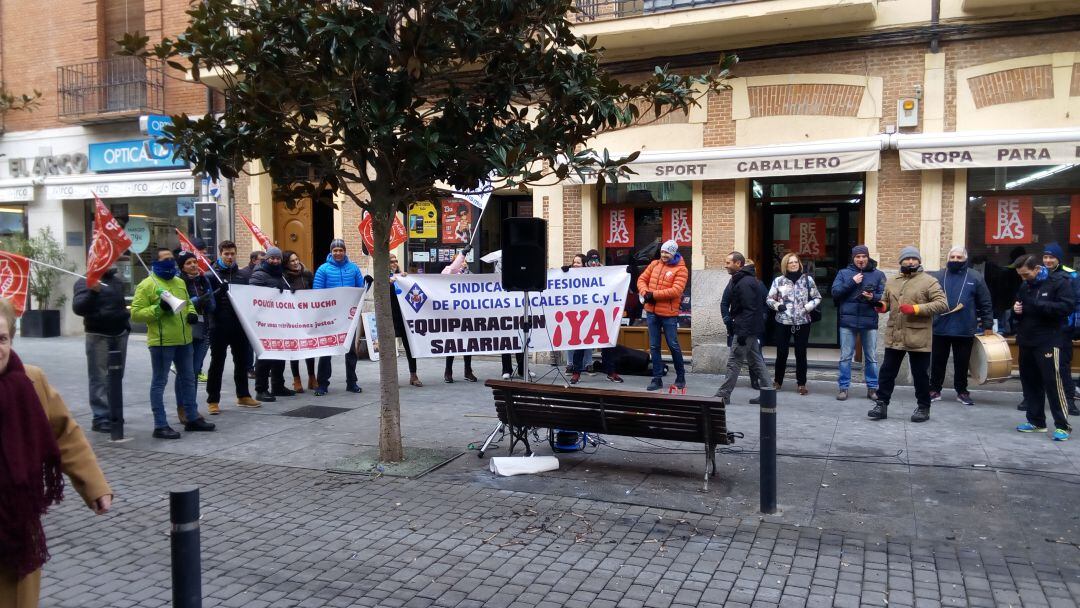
[(793, 296)]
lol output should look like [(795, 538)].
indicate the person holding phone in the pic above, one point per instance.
[(856, 290)]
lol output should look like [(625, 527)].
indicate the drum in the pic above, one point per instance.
[(990, 359)]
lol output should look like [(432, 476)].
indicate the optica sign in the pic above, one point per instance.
[(131, 154)]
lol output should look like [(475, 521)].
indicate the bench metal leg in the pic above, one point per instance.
[(520, 433), (710, 464)]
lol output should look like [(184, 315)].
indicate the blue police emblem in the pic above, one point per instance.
[(416, 298)]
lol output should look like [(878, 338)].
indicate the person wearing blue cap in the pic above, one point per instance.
[(1054, 260)]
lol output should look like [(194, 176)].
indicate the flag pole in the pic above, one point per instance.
[(65, 271)]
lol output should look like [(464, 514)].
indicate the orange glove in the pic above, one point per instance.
[(909, 309)]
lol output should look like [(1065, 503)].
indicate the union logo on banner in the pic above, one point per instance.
[(618, 225), (677, 224), (1008, 220)]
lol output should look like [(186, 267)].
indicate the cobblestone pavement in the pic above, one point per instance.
[(282, 536)]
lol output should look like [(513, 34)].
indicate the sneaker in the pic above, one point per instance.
[(935, 396), (213, 408), (165, 432), (613, 377), (921, 414), (506, 376), (105, 426), (871, 394), (201, 378), (880, 411), (199, 424), (320, 392), (281, 391), (265, 396), (755, 401), (841, 396), (655, 385), (1027, 427), (680, 383), (354, 388), (575, 377), (591, 369), (1061, 435), (447, 378), (965, 398), (247, 402), (469, 376)]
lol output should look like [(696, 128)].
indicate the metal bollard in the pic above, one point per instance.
[(768, 451), (186, 560), (116, 391)]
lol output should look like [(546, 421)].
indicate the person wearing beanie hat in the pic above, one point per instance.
[(911, 300), (338, 271), (954, 331), (856, 289), (270, 373), (201, 294), (661, 288), (1054, 260)]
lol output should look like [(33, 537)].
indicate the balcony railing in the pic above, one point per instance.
[(602, 10), (110, 89)]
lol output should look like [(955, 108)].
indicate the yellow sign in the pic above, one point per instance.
[(423, 220)]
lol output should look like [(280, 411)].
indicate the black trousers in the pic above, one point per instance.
[(294, 365), (269, 372), (450, 364), (228, 336), (919, 363), (784, 335), (960, 347), (508, 363), (1040, 377), (350, 368)]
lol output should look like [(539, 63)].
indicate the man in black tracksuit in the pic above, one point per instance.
[(226, 333), (1043, 303)]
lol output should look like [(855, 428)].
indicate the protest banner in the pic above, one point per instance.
[(471, 314), (297, 325)]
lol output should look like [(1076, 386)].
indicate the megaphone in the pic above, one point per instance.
[(174, 302)]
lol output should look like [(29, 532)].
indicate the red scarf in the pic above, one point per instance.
[(30, 474)]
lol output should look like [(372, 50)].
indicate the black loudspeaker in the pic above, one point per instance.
[(524, 254)]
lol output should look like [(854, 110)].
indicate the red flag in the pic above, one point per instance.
[(258, 233), (110, 242), (14, 280), (398, 234), (187, 245)]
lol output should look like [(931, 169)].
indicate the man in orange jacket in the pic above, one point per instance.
[(661, 286)]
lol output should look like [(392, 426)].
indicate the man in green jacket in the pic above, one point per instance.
[(911, 300), (169, 337)]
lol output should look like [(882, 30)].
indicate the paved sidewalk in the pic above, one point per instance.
[(963, 504)]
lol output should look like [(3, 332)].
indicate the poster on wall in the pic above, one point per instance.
[(677, 224), (1008, 220), (456, 221), (808, 237), (1074, 220), (423, 220), (618, 223)]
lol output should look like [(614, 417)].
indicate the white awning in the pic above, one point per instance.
[(120, 185), (971, 149), (853, 155), (19, 190)]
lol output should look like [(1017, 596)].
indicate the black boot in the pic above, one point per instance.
[(921, 414), (880, 411), (265, 396)]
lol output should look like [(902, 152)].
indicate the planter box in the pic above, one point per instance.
[(40, 324)]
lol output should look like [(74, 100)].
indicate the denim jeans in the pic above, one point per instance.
[(579, 357), (183, 385), (847, 352), (670, 327), (97, 368), (199, 355)]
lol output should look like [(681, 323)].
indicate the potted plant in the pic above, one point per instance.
[(43, 321)]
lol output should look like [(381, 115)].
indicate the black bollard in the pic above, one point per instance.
[(186, 561), (768, 451), (116, 390)]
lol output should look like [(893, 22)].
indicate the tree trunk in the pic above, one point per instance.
[(390, 449)]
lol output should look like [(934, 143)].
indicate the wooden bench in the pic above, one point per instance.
[(522, 405)]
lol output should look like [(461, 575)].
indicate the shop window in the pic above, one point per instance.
[(1017, 210), (635, 219), (12, 221)]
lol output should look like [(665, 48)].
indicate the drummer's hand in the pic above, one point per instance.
[(988, 332), (1018, 308)]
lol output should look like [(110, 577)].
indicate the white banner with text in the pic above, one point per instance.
[(471, 314), (288, 325)]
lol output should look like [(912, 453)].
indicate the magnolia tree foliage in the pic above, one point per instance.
[(378, 101)]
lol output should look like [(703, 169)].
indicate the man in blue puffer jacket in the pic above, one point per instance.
[(338, 271), (969, 306), (856, 290)]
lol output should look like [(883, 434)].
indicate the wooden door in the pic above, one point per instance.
[(293, 229)]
